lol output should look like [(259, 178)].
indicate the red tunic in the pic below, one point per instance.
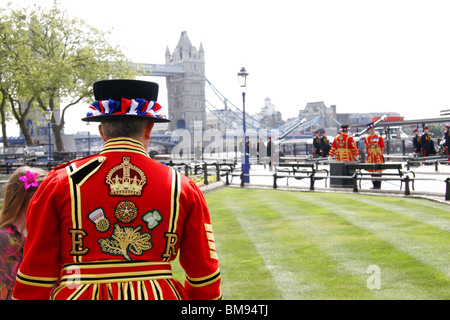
[(108, 225), (375, 148), (344, 147)]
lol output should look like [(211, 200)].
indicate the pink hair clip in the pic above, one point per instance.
[(29, 180)]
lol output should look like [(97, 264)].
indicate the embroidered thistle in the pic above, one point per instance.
[(29, 180), (125, 240)]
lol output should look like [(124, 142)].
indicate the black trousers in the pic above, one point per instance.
[(376, 183)]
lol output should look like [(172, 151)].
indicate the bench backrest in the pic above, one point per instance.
[(298, 165), (374, 166)]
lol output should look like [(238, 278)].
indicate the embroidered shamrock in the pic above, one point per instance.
[(153, 218), (29, 180)]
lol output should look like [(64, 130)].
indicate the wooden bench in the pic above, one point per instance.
[(436, 160), (357, 168), (299, 171)]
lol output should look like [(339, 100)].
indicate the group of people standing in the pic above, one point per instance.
[(322, 145), (344, 148), (424, 145)]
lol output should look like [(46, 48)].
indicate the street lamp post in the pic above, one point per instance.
[(48, 117), (242, 74)]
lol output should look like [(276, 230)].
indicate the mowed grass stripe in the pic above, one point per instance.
[(255, 221), (301, 268), (324, 253), (353, 249), (429, 244), (242, 267), (427, 265), (317, 254), (424, 211)]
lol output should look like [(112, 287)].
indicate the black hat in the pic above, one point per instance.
[(123, 99), (344, 128), (371, 125)]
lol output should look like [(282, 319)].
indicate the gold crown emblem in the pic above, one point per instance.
[(126, 179)]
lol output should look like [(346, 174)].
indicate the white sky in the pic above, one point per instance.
[(362, 56)]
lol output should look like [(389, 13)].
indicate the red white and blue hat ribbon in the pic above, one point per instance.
[(138, 106)]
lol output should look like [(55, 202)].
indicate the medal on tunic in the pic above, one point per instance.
[(102, 223), (126, 211)]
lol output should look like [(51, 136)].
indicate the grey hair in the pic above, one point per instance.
[(131, 128)]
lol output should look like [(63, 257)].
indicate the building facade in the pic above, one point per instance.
[(328, 116), (269, 116), (186, 92)]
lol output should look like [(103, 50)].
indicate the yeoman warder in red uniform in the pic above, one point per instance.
[(107, 226), (375, 147), (344, 147)]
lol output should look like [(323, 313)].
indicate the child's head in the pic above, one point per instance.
[(18, 191)]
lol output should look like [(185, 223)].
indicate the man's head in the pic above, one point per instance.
[(371, 128), (132, 128)]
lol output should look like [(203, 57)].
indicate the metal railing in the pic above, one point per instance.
[(207, 171)]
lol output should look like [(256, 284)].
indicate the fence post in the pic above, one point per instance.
[(407, 191), (242, 179), (205, 173), (355, 182), (227, 182), (217, 172), (447, 189), (275, 181), (311, 185), (186, 170)]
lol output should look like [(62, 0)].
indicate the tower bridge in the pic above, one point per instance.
[(186, 81), (159, 70)]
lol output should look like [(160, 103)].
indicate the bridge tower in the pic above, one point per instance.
[(186, 91)]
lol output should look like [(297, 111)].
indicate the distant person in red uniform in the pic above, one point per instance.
[(374, 147), (344, 147), (107, 226)]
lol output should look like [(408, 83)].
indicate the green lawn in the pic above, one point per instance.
[(299, 245)]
